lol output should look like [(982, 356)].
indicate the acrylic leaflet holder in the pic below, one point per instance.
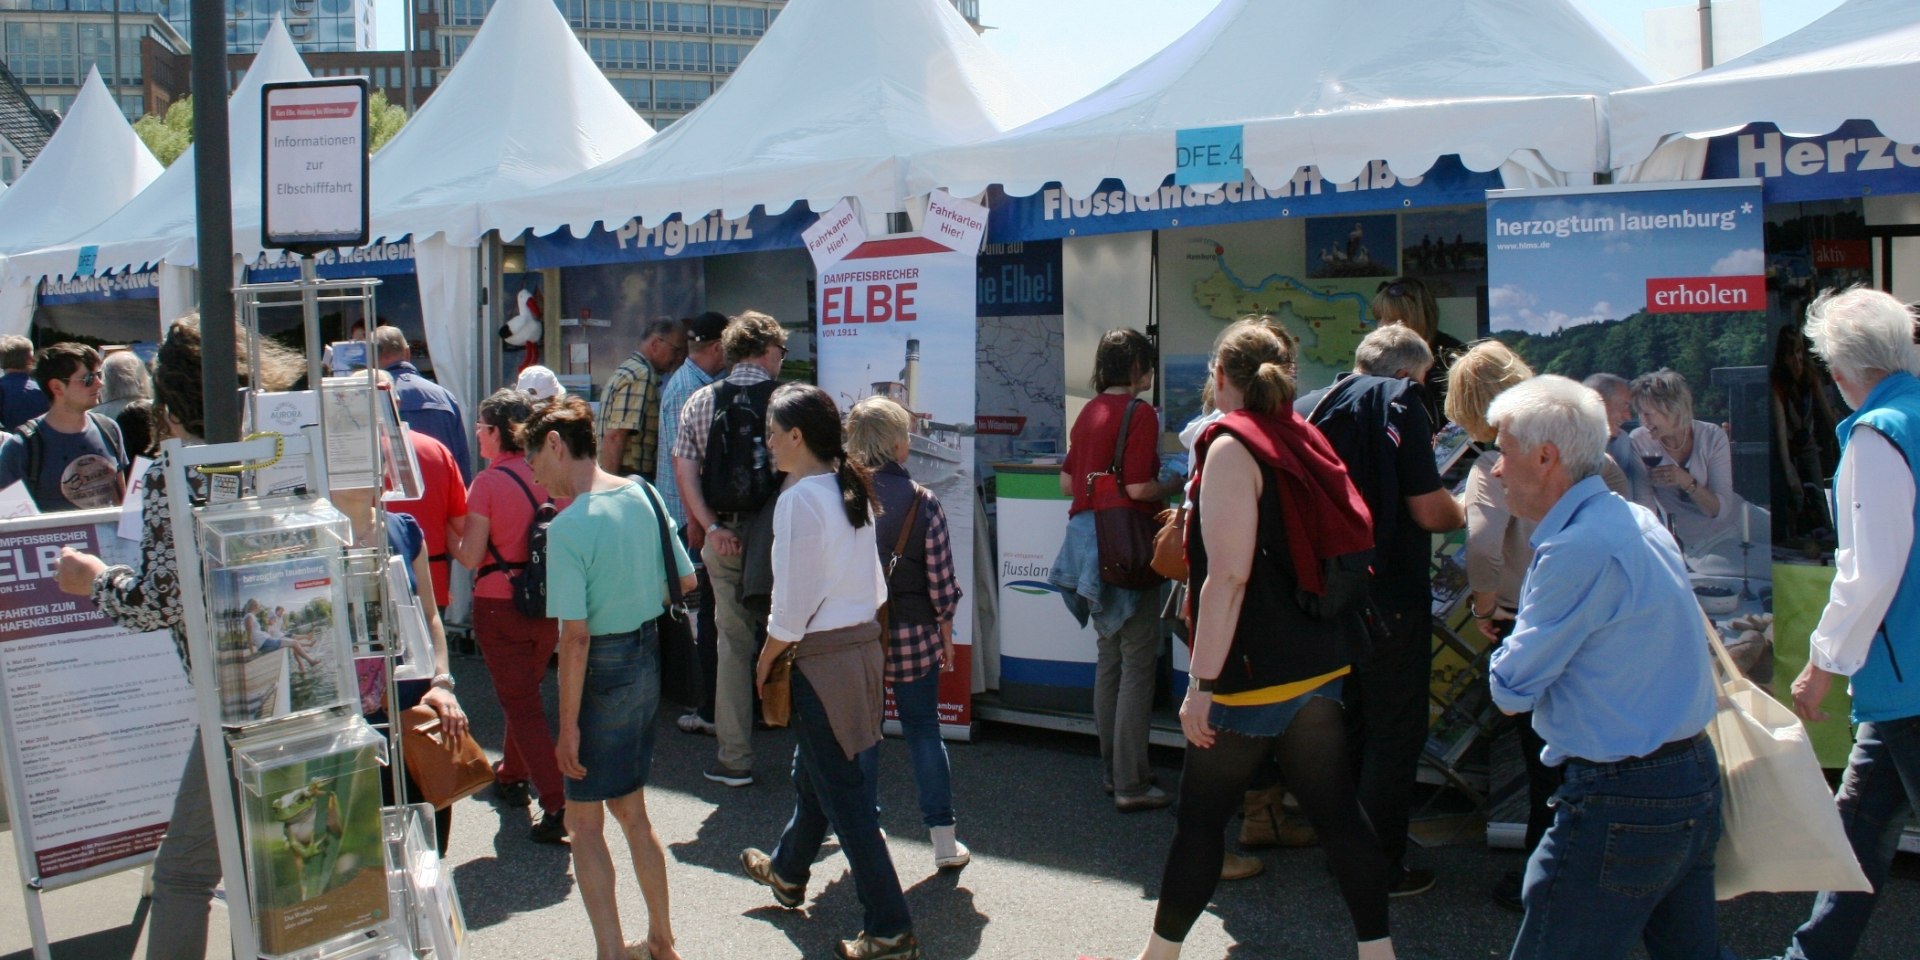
[(274, 591), (313, 837)]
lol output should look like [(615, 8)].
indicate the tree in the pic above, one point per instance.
[(168, 137)]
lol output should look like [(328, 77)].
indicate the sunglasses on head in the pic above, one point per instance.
[(1393, 289)]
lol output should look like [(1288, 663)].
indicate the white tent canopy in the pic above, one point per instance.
[(1328, 85), (159, 225), (823, 108), (93, 165), (1860, 62)]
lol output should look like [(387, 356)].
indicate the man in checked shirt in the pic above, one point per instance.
[(922, 595)]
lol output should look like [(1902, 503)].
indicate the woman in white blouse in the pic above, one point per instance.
[(827, 590), (1689, 464)]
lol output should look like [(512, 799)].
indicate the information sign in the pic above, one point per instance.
[(1209, 155), (314, 164)]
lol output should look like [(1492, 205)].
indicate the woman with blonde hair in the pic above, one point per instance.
[(1499, 550), (1273, 514), (923, 592)]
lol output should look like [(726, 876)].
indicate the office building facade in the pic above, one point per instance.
[(49, 45)]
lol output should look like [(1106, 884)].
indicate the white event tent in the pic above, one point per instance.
[(93, 165), (824, 108), (1859, 62), (1512, 84), (523, 108), (159, 225)]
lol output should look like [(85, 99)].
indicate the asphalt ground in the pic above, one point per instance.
[(1056, 872)]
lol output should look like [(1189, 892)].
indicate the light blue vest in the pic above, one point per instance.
[(1888, 685)]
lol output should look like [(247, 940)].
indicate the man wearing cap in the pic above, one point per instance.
[(540, 383), (705, 359), (630, 415)]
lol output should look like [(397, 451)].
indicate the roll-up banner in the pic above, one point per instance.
[(97, 718), (897, 319)]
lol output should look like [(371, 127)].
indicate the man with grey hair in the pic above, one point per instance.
[(1609, 652), (427, 407), (21, 399), (630, 414), (1376, 419), (1617, 394), (1872, 620), (124, 380)]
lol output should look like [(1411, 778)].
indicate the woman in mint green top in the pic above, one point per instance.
[(606, 583)]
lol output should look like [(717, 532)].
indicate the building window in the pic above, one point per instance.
[(739, 21), (679, 17), (681, 94), (7, 170), (727, 56), (637, 93), (617, 14), (612, 54), (688, 55)]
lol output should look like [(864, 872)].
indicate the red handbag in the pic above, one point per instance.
[(1124, 533)]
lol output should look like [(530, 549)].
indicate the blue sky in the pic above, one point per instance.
[(1066, 49), (1587, 278)]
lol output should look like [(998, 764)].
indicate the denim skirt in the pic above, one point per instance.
[(1269, 719), (617, 706)]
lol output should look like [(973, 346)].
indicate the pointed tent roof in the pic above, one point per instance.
[(821, 109), (1859, 62), (523, 108), (94, 164), (160, 223), (1330, 85)]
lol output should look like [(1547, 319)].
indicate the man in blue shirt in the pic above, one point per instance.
[(1609, 651), (425, 406), (69, 457), (21, 399)]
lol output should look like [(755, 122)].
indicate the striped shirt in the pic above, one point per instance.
[(632, 403), (684, 382), (696, 418)]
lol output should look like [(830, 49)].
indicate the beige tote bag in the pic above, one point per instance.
[(1780, 830)]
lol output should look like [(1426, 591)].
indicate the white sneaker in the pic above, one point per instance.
[(948, 852), (690, 722)]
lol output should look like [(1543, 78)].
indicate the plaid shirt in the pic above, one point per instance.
[(696, 418), (684, 382), (914, 649), (632, 402)]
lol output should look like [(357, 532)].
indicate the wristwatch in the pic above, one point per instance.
[(444, 681), (714, 526), (1204, 686)]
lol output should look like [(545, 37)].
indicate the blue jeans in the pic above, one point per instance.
[(833, 793), (1629, 856), (918, 703), (1878, 795)]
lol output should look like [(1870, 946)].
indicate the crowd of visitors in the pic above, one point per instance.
[(814, 573)]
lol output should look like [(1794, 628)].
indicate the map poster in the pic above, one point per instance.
[(896, 319), (97, 720), (1021, 388), (1663, 288)]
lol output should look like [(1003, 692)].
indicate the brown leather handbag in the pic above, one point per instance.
[(1122, 533), (776, 695), (444, 772), (1170, 544)]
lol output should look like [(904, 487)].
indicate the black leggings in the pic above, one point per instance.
[(1313, 760)]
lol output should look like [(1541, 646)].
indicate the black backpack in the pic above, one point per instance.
[(737, 475), (529, 579)]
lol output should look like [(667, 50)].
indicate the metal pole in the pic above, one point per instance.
[(115, 73), (213, 207), (1706, 34), (310, 317), (406, 52)]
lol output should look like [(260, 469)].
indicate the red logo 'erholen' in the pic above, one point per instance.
[(315, 111), (1706, 294)]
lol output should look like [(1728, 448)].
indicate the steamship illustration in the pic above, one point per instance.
[(934, 455)]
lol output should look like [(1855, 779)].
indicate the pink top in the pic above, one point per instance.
[(495, 496)]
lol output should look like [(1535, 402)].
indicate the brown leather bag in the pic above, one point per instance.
[(1170, 544), (776, 695), (1124, 535), (444, 772)]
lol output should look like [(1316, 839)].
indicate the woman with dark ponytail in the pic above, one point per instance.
[(1273, 511), (827, 590)]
